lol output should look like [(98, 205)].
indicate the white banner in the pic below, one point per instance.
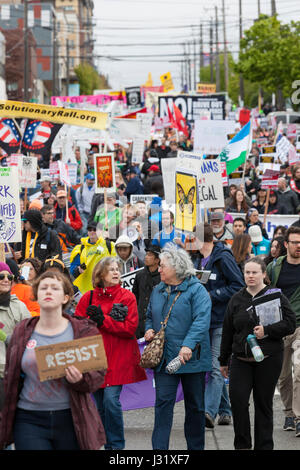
[(211, 136), (10, 217), (272, 221), (124, 129)]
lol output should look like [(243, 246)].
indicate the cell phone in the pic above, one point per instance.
[(203, 276)]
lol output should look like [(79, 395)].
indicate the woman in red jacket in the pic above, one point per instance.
[(114, 310)]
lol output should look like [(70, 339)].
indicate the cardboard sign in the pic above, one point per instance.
[(206, 88), (85, 353), (186, 198), (167, 82), (10, 218)]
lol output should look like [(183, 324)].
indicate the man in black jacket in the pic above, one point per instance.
[(38, 241), (144, 283)]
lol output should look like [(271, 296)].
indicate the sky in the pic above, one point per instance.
[(161, 28)]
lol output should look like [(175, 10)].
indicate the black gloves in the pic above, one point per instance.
[(95, 314), (119, 312)]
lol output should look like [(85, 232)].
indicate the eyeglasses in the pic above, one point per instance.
[(294, 242), (8, 276)]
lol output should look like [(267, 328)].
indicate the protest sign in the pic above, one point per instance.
[(104, 173), (85, 354), (186, 201), (167, 82), (206, 88), (133, 96), (27, 171), (292, 131), (145, 120), (192, 107), (95, 100), (147, 198), (270, 179), (124, 129), (211, 136), (168, 168), (10, 217), (272, 221), (75, 117), (64, 173), (235, 178), (54, 170), (294, 157), (128, 279), (224, 174), (138, 147), (72, 169), (282, 149)]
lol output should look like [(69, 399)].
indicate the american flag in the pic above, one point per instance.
[(10, 136), (38, 136)]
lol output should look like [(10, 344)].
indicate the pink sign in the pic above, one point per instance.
[(97, 100)]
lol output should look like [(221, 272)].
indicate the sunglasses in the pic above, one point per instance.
[(9, 277)]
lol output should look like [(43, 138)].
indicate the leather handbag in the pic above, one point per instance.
[(153, 352)]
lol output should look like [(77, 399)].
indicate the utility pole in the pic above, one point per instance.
[(189, 68), (54, 56), (195, 66), (26, 56), (68, 67), (241, 36), (258, 8), (186, 65), (273, 7), (201, 47), (226, 73), (218, 86), (211, 61)]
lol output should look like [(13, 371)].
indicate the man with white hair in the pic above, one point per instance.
[(287, 197), (221, 231)]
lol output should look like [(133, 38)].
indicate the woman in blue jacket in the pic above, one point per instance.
[(186, 336)]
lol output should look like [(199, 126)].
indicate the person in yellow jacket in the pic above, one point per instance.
[(85, 256)]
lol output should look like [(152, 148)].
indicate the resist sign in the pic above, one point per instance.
[(85, 353)]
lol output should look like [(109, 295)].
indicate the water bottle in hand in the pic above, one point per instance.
[(255, 348), (173, 365)]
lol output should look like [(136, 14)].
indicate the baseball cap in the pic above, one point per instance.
[(255, 234), (61, 193), (154, 249), (154, 168), (216, 216), (90, 176)]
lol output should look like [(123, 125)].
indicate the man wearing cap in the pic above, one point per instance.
[(67, 235), (260, 245), (221, 231), (134, 186), (71, 216), (87, 254), (84, 196), (46, 188), (38, 241), (144, 283), (154, 177)]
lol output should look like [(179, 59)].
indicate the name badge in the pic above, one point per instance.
[(213, 277), (43, 247)]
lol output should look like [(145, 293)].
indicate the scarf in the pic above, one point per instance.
[(5, 299), (27, 245)]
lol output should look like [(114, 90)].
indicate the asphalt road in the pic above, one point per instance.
[(139, 424)]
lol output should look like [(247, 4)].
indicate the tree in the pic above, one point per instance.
[(269, 55), (89, 79)]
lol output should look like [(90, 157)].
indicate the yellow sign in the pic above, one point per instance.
[(167, 82), (206, 88), (186, 201), (73, 117)]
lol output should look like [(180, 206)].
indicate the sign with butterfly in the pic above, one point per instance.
[(186, 198)]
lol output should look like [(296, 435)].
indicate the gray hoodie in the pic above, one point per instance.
[(132, 262)]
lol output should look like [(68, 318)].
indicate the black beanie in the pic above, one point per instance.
[(34, 217)]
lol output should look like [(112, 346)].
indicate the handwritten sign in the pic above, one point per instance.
[(105, 173), (85, 353), (10, 218), (27, 172)]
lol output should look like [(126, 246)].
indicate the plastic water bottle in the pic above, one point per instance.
[(255, 348), (173, 365)]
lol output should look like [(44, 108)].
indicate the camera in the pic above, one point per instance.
[(83, 266)]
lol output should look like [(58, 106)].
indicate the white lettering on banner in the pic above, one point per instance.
[(192, 107), (70, 356), (272, 221)]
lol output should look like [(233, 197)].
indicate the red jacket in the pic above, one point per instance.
[(121, 347), (87, 422), (75, 219)]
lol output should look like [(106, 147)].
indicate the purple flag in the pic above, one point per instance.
[(142, 394)]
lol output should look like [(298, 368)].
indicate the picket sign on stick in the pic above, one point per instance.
[(2, 253), (105, 191), (266, 207)]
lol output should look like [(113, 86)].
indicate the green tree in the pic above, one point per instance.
[(269, 55), (89, 79)]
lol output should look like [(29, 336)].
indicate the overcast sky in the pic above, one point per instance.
[(129, 24)]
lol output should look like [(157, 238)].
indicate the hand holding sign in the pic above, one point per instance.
[(73, 375)]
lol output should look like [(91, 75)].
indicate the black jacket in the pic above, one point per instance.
[(239, 323), (142, 288), (47, 244)]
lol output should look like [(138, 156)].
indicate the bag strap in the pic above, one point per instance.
[(164, 323)]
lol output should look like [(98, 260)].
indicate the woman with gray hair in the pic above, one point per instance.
[(186, 337)]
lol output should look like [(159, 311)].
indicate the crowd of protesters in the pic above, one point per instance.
[(63, 282)]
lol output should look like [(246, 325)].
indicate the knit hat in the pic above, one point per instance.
[(35, 204), (5, 267), (34, 217)]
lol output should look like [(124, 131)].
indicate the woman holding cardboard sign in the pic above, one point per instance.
[(57, 414), (114, 310)]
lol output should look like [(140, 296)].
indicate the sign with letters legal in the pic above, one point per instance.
[(10, 218), (85, 353)]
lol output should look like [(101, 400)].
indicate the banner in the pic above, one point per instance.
[(10, 136), (186, 201), (211, 136), (147, 198), (95, 100), (73, 117), (104, 173), (133, 96), (85, 354), (38, 136), (273, 221), (10, 217), (192, 107)]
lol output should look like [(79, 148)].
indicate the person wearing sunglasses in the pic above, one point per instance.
[(85, 256), (12, 311)]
